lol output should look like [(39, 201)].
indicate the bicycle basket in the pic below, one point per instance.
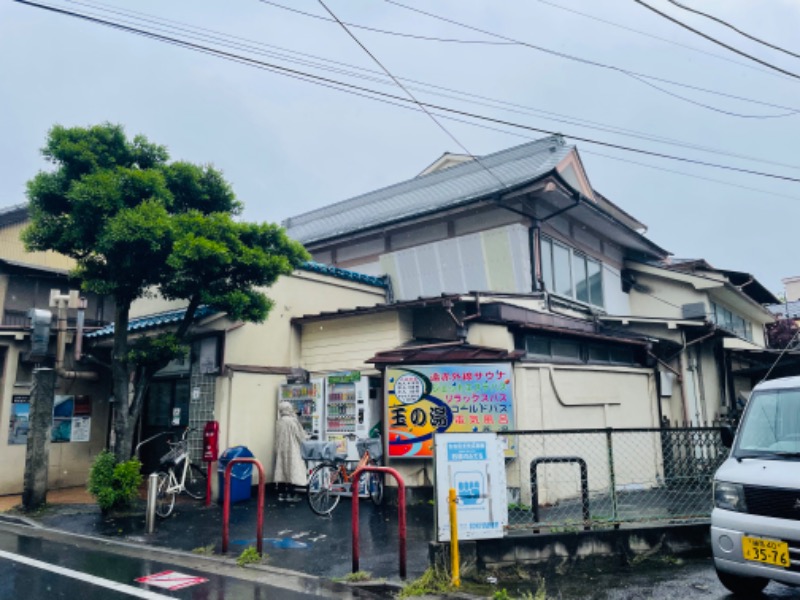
[(175, 454), (318, 450), (374, 445)]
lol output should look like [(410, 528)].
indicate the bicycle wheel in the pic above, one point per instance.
[(165, 499), (376, 488), (324, 487), (196, 481)]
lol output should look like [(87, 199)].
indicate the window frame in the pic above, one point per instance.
[(550, 275)]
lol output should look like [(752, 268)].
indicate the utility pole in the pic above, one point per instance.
[(37, 455)]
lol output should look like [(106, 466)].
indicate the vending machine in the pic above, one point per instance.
[(350, 410), (307, 399)]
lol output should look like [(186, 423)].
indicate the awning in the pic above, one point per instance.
[(449, 352)]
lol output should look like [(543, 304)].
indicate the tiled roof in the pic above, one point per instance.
[(152, 321), (789, 310), (456, 185), (344, 274), (175, 316)]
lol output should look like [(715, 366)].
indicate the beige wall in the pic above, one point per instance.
[(12, 248), (246, 407), (342, 344), (69, 463), (275, 342), (560, 397)]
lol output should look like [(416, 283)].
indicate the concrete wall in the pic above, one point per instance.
[(553, 397), (246, 407), (69, 462), (275, 342)]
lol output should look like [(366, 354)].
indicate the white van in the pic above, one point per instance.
[(755, 524)]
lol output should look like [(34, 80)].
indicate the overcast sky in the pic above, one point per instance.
[(288, 146)]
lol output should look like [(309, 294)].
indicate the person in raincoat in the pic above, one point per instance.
[(290, 468)]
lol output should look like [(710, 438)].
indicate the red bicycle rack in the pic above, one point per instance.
[(401, 514), (226, 504)]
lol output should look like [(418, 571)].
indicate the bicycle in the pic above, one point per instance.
[(190, 479), (330, 480)]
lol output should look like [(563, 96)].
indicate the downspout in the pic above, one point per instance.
[(61, 341)]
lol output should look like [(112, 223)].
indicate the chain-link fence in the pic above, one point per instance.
[(580, 479)]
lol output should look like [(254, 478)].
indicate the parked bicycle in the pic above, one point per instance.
[(331, 479), (179, 475)]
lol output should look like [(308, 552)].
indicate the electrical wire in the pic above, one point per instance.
[(633, 74), (256, 47), (661, 39), (385, 31), (410, 95), (372, 93), (736, 29), (716, 41), (780, 356)]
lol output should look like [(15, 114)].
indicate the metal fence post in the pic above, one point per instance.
[(611, 475), (152, 495)]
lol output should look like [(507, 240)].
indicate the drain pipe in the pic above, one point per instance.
[(62, 302)]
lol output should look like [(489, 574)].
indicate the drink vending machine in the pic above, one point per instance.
[(307, 399), (349, 410)]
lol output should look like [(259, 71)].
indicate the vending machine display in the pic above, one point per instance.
[(307, 401), (348, 411)]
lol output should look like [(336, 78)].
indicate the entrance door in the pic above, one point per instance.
[(166, 409)]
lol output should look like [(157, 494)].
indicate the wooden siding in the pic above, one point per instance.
[(346, 343)]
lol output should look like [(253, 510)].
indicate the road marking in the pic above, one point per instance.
[(98, 581), (171, 580)]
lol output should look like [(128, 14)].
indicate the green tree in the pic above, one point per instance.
[(138, 224)]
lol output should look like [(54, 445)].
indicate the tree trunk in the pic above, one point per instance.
[(124, 426)]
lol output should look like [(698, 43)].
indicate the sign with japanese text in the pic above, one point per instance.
[(430, 399), (472, 464)]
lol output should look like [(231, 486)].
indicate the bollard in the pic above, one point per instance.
[(455, 560), (152, 496)]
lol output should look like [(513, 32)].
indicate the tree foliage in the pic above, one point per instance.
[(783, 333), (138, 224)]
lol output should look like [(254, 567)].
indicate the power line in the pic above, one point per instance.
[(659, 38), (736, 29), (410, 95), (716, 41), (332, 82), (633, 74), (385, 31), (255, 47)]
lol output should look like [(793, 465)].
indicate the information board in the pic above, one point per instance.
[(473, 464)]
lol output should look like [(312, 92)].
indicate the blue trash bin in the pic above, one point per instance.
[(241, 474)]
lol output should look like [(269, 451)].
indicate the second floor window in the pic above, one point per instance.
[(729, 320), (570, 273)]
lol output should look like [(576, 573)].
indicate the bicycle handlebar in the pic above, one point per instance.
[(184, 433)]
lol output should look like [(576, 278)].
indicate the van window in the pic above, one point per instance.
[(771, 424)]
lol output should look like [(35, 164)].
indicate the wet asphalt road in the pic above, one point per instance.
[(37, 564), (294, 537), (651, 580)]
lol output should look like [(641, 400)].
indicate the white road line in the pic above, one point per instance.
[(98, 581)]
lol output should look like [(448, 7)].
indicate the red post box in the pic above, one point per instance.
[(211, 441)]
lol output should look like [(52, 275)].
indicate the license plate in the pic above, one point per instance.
[(772, 552)]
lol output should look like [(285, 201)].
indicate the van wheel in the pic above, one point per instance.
[(746, 587)]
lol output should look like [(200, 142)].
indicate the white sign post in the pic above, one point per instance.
[(474, 465)]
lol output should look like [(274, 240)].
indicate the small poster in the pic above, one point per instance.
[(19, 423), (63, 409), (81, 427)]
